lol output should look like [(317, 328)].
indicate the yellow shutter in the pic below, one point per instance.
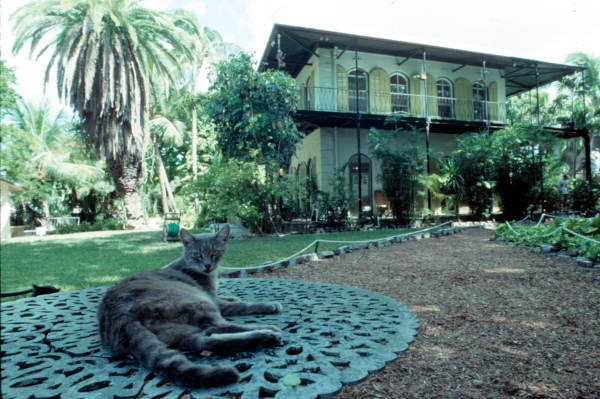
[(311, 90), (379, 92), (415, 98), (464, 99), (493, 99), (301, 100), (342, 89), (432, 106)]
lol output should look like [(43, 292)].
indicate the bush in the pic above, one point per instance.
[(244, 190), (585, 196), (333, 207), (108, 224)]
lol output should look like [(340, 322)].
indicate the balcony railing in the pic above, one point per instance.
[(387, 103)]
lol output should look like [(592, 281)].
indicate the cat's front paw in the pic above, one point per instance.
[(228, 298), (270, 338), (273, 307)]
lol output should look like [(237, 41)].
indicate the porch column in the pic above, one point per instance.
[(537, 94), (485, 94), (357, 117), (427, 122), (587, 147)]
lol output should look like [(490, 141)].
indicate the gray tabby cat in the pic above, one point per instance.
[(154, 315)]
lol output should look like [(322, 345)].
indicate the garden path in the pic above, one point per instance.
[(496, 321)]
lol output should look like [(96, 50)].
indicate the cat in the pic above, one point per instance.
[(157, 314)]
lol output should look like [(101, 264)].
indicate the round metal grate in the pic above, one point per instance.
[(333, 335)]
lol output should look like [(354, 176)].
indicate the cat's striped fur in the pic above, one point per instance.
[(157, 314)]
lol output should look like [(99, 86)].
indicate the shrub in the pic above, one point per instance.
[(107, 224), (585, 196), (244, 190)]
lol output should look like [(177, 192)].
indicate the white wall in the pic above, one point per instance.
[(4, 211)]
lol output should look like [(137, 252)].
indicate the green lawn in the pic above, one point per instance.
[(75, 262)]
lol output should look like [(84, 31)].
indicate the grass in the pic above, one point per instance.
[(77, 262)]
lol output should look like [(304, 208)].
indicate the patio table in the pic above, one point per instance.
[(333, 335)]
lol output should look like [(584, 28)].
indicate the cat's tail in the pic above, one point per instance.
[(155, 355)]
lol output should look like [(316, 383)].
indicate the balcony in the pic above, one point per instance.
[(403, 104)]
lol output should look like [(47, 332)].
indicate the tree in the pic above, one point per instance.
[(252, 112), (401, 165), (579, 96), (473, 160), (8, 95), (519, 159), (40, 150), (252, 116), (103, 52)]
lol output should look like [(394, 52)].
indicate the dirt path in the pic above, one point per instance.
[(496, 321)]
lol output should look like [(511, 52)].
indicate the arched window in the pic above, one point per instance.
[(399, 93), (364, 166), (444, 98), (358, 95), (479, 98)]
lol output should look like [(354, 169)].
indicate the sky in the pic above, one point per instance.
[(536, 29)]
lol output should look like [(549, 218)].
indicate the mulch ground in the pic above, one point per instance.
[(496, 321)]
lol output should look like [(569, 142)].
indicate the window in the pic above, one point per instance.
[(357, 91), (479, 101), (444, 98), (365, 181), (399, 93)]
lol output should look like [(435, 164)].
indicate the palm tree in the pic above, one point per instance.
[(103, 52), (41, 152)]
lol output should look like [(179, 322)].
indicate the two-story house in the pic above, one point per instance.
[(350, 83)]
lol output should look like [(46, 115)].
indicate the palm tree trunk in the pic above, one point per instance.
[(165, 186), (127, 175), (194, 143), (161, 178)]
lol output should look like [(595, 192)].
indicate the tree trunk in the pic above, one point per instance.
[(194, 143), (127, 175), (161, 179)]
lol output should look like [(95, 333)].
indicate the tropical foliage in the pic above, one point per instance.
[(557, 236)]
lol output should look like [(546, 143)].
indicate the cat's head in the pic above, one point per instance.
[(203, 252)]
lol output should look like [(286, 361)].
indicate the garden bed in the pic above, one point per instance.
[(496, 320)]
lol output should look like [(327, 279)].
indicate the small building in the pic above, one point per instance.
[(350, 84), (6, 187)]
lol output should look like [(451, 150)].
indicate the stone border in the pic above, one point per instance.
[(378, 243)]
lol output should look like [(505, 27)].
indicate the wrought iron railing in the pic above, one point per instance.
[(388, 103)]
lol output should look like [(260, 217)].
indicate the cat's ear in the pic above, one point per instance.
[(223, 234), (186, 237)]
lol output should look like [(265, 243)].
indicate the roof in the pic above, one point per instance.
[(12, 186), (298, 44)]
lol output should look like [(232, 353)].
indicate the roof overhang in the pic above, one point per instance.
[(299, 44), (11, 186)]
